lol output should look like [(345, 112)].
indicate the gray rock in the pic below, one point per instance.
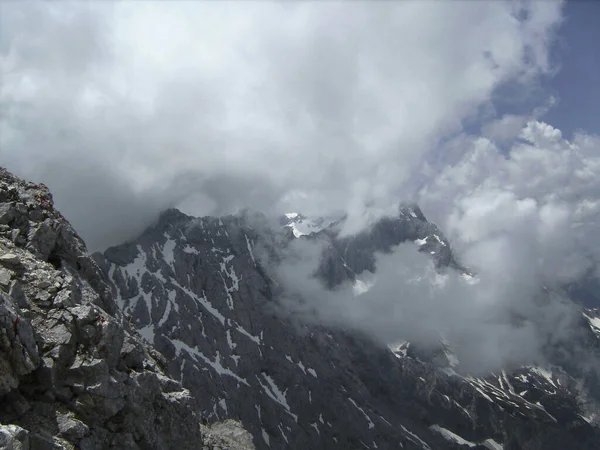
[(5, 276), (13, 437), (70, 428), (228, 435), (10, 260), (72, 372), (42, 239)]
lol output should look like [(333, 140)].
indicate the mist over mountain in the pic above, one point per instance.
[(305, 201), (234, 310)]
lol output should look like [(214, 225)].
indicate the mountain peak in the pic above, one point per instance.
[(197, 331), (170, 217)]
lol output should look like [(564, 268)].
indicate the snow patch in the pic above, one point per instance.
[(360, 286), (302, 226), (400, 349), (248, 244), (216, 364), (230, 342), (172, 295), (546, 374), (371, 424), (147, 333), (253, 338), (273, 391), (190, 250), (168, 250), (415, 439), (450, 436), (492, 444), (594, 323), (165, 316), (439, 240), (265, 437), (202, 301), (283, 434), (299, 364)]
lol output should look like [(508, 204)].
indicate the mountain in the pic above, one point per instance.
[(305, 226), (173, 339), (73, 372), (202, 292)]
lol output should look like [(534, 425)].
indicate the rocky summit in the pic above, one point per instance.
[(73, 372), (177, 339)]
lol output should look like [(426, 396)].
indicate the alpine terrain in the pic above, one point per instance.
[(180, 339)]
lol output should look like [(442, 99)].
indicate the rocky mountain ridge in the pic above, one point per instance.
[(73, 372), (200, 290), (136, 347)]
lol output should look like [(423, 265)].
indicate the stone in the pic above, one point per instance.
[(18, 295), (7, 213), (10, 260), (13, 437), (5, 277), (63, 371), (63, 299), (229, 434), (71, 428), (42, 239)]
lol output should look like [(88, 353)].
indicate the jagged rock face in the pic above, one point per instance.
[(346, 257), (73, 373), (196, 290), (199, 290)]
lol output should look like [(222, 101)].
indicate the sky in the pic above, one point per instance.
[(126, 108), (576, 83), (485, 113)]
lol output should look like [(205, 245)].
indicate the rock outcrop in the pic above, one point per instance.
[(73, 372)]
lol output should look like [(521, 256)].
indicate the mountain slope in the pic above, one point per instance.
[(73, 373), (200, 290)]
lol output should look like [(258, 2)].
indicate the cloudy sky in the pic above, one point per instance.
[(485, 113), (124, 109)]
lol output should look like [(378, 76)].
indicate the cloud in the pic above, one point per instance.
[(125, 108), (524, 220), (504, 129), (490, 324), (543, 196)]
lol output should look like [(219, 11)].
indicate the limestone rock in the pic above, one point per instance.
[(73, 374), (13, 437)]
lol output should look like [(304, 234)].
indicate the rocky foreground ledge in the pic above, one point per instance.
[(73, 372)]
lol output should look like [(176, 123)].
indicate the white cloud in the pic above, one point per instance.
[(504, 129), (495, 323), (525, 221), (543, 196), (333, 105)]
